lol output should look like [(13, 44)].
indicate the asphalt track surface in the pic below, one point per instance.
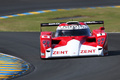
[(20, 6), (26, 46)]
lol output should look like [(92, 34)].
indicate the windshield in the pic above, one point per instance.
[(78, 32)]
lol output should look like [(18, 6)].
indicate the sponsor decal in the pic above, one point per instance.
[(91, 22), (46, 36), (87, 51), (59, 52), (74, 27), (54, 23), (100, 34)]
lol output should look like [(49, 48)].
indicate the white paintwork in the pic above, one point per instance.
[(100, 34), (45, 36), (74, 48)]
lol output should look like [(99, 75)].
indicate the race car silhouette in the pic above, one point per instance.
[(73, 39)]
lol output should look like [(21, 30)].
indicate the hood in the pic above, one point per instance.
[(62, 41)]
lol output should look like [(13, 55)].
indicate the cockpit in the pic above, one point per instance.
[(78, 32)]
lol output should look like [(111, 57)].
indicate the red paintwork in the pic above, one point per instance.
[(43, 47), (64, 40), (82, 23)]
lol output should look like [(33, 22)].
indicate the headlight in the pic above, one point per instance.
[(103, 39), (44, 42), (98, 43), (48, 42), (98, 40), (101, 42)]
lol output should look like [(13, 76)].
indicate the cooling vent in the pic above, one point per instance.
[(73, 22)]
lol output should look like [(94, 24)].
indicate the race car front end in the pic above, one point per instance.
[(72, 47)]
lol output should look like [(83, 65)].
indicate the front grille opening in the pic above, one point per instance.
[(99, 48), (55, 41), (47, 50), (91, 40)]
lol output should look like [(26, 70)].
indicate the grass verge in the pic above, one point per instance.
[(31, 23)]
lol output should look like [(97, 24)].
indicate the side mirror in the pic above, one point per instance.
[(102, 28)]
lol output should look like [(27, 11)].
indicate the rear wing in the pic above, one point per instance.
[(94, 22), (57, 24), (49, 24)]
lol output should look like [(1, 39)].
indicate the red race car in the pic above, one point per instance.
[(73, 39)]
